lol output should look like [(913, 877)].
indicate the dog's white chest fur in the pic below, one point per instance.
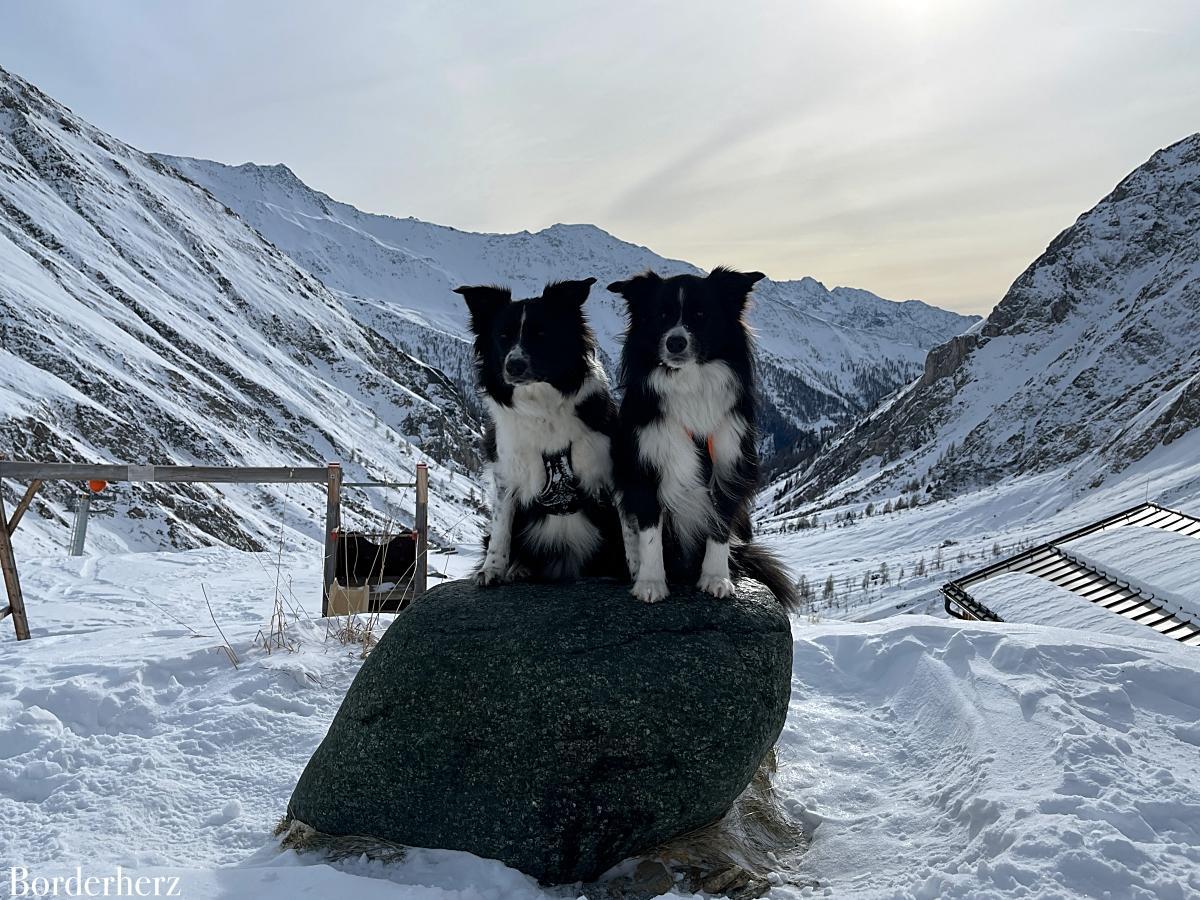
[(540, 422), (697, 403)]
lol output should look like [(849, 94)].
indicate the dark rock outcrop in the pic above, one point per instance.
[(945, 359), (558, 728)]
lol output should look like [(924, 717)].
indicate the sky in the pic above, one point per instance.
[(916, 148)]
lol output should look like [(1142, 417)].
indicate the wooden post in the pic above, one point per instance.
[(12, 584), (333, 521), (421, 575)]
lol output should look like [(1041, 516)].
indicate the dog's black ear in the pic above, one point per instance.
[(568, 291), (731, 279), (734, 284), (635, 288), (484, 301)]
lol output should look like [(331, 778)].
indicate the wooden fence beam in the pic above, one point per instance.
[(24, 471), (23, 505), (330, 475)]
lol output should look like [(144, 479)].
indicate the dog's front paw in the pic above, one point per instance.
[(490, 575), (649, 590), (518, 572), (717, 585)]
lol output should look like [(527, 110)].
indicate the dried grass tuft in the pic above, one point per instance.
[(295, 835)]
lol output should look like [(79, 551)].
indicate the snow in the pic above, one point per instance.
[(154, 724), (144, 321), (1087, 364), (400, 273), (951, 761), (927, 758)]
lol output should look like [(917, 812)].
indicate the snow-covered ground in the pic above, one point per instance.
[(964, 533), (931, 759), (141, 322), (158, 720), (948, 761)]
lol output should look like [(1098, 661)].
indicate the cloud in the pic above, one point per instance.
[(924, 148)]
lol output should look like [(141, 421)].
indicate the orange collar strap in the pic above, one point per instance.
[(708, 442)]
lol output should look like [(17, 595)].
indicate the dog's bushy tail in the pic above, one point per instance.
[(757, 562)]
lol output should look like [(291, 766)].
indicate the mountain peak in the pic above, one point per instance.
[(825, 360), (188, 338), (276, 171), (582, 228), (19, 97)]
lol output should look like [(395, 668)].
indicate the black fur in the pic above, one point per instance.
[(712, 314)]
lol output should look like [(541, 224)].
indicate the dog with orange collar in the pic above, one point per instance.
[(685, 453)]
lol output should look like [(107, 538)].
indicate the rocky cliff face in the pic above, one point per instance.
[(1089, 363), (141, 320)]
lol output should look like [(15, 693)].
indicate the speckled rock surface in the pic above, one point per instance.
[(558, 728)]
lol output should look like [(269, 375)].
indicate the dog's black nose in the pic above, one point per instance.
[(516, 366), (676, 343)]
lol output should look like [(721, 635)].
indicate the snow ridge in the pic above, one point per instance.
[(201, 313)]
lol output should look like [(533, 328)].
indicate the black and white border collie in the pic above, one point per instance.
[(686, 455), (549, 439)]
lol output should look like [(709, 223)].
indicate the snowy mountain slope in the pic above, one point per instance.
[(1088, 363), (141, 321), (828, 356)]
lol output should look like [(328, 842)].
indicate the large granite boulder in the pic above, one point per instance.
[(558, 728)]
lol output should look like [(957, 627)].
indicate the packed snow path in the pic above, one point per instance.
[(932, 759)]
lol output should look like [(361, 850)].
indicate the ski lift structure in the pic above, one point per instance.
[(98, 477), (1057, 564)]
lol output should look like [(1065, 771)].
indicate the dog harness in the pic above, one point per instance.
[(563, 493)]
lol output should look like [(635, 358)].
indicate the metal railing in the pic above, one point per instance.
[(1052, 563)]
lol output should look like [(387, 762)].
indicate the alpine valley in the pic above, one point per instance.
[(157, 309)]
